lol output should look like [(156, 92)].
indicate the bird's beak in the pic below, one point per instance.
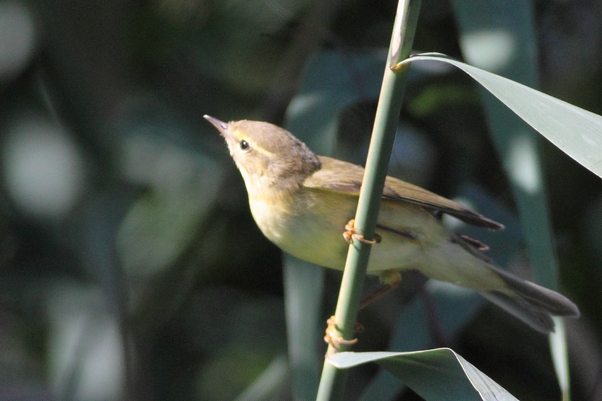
[(221, 126)]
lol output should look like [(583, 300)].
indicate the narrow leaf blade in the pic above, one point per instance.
[(437, 374), (575, 131)]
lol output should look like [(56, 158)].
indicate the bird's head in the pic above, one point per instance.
[(266, 155)]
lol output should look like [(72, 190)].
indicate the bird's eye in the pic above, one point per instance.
[(244, 145)]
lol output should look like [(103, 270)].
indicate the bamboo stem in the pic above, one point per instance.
[(332, 382)]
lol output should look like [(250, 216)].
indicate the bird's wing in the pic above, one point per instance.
[(339, 176)]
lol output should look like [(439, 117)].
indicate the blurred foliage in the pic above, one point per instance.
[(130, 267)]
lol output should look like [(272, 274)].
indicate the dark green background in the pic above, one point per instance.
[(150, 280)]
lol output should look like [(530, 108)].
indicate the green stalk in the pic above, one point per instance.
[(332, 382)]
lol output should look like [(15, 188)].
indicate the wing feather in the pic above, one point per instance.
[(340, 176)]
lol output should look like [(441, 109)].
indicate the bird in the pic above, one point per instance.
[(303, 202)]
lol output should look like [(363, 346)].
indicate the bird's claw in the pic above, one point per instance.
[(350, 234), (333, 338)]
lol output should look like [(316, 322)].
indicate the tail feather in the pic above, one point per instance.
[(535, 316), (531, 303)]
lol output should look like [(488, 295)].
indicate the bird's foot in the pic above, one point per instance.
[(350, 234), (333, 338)]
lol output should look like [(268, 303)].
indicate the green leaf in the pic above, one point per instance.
[(438, 374), (575, 131)]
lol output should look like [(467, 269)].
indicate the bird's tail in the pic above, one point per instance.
[(532, 303)]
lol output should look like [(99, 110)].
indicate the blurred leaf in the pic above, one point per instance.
[(438, 374), (162, 222), (560, 356), (268, 383), (86, 354), (330, 82), (224, 376), (303, 286), (506, 28), (241, 337), (251, 42)]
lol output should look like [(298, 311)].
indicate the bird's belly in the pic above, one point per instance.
[(304, 231), (314, 232)]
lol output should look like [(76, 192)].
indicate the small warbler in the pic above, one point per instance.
[(302, 201)]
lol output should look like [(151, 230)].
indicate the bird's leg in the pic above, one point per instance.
[(390, 279), (350, 233)]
